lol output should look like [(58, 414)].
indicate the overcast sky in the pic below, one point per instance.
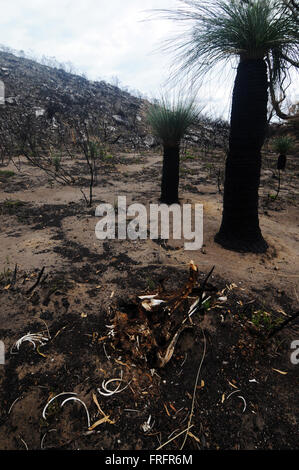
[(104, 38)]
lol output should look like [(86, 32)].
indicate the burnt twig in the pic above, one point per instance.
[(37, 281), (14, 277), (202, 287)]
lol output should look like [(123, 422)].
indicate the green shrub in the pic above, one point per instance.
[(283, 145), (6, 173)]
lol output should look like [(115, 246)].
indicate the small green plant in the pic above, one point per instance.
[(188, 156), (264, 320), (151, 285), (283, 145), (183, 171), (56, 160), (12, 203), (6, 274), (107, 156), (206, 305), (10, 206), (6, 174)]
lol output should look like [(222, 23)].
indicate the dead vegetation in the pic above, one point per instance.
[(149, 327), (170, 369), (146, 355)]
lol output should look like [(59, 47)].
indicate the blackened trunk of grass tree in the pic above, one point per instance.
[(170, 175), (240, 230)]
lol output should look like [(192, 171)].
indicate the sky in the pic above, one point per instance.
[(107, 39)]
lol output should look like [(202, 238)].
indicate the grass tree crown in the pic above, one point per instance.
[(248, 29), (170, 119), (283, 145)]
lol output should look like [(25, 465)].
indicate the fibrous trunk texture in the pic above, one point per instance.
[(170, 176), (240, 230)]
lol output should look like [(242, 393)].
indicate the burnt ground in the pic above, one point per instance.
[(246, 393)]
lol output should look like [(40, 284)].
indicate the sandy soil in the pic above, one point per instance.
[(44, 224)]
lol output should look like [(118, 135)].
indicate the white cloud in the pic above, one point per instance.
[(102, 38)]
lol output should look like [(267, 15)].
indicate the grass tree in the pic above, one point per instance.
[(170, 120), (282, 145), (262, 35)]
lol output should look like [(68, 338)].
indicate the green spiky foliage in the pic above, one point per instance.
[(170, 120), (262, 37), (283, 145), (221, 29)]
